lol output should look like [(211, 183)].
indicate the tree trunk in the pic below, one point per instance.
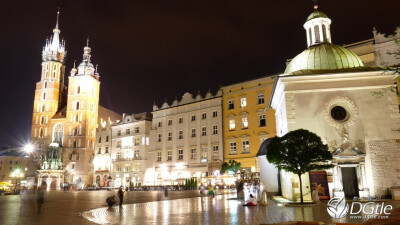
[(301, 189)]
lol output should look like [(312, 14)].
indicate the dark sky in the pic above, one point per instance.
[(154, 50)]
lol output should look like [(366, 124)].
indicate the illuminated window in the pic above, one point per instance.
[(158, 156), (193, 132), (260, 99), (193, 155), (245, 123), (137, 141), (231, 125), (243, 102), (170, 136), (262, 121), (232, 148), (203, 131), (137, 155), (169, 122), (180, 133), (245, 146), (180, 154), (231, 104), (204, 152), (169, 155), (215, 129), (203, 116)]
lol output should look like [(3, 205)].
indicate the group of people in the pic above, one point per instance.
[(111, 200)]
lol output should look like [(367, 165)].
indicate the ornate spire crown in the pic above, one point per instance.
[(54, 50)]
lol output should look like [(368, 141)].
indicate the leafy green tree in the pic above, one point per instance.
[(231, 165), (299, 152)]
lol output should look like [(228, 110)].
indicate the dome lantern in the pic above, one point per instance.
[(317, 28)]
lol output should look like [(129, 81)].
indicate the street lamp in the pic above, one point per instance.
[(16, 174), (28, 148)]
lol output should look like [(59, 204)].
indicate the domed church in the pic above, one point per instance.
[(326, 89)]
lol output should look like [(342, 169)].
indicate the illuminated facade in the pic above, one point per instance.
[(102, 157), (327, 89), (130, 140), (246, 123), (11, 161), (186, 140), (64, 120)]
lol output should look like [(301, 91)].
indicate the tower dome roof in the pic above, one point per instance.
[(316, 14), (324, 57)]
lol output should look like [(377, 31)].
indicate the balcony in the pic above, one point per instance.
[(127, 159)]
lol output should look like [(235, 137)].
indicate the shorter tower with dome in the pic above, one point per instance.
[(327, 89)]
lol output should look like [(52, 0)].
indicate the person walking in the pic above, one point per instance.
[(40, 199), (211, 191), (121, 196)]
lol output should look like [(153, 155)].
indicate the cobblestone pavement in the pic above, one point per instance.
[(180, 207)]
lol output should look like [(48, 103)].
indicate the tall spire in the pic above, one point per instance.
[(54, 49), (58, 14)]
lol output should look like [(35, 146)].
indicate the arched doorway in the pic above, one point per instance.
[(105, 181), (44, 185), (98, 181), (53, 185)]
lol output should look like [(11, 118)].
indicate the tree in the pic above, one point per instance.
[(232, 166), (299, 152)]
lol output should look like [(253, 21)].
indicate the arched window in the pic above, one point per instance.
[(76, 118), (42, 120), (77, 105), (74, 145), (54, 70), (310, 35), (58, 133), (45, 84), (78, 89), (99, 139), (43, 107), (41, 132), (317, 37), (44, 96), (324, 38)]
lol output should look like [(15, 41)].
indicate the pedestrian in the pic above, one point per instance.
[(40, 198), (110, 201), (251, 202), (202, 189), (166, 191), (210, 191), (121, 196)]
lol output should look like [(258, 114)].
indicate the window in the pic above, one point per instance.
[(127, 168), (78, 89), (231, 125), (180, 120), (99, 152), (169, 122), (107, 139), (180, 154), (42, 120), (10, 162), (193, 132), (45, 84), (137, 130), (180, 134), (215, 129), (77, 105), (119, 133), (260, 99), (193, 155), (119, 155), (106, 150), (128, 131), (159, 137), (169, 155), (204, 152), (310, 35), (159, 124), (232, 148), (245, 146), (158, 156), (137, 155), (128, 154), (193, 118), (316, 31), (118, 168), (77, 118), (44, 96), (323, 33), (118, 144), (137, 141), (99, 139), (203, 116), (245, 123), (54, 70), (262, 121), (41, 132), (215, 114), (73, 166), (243, 102), (215, 150), (170, 136), (43, 107), (16, 162), (203, 131), (231, 104)]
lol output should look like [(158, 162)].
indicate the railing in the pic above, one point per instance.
[(127, 159)]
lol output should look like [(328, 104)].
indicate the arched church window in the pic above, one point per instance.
[(76, 118), (58, 133), (43, 107), (317, 37), (324, 38), (44, 96), (74, 145), (99, 139), (78, 90), (45, 84), (42, 120), (54, 71), (77, 105), (310, 35), (41, 132)]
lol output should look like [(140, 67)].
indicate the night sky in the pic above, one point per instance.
[(149, 51)]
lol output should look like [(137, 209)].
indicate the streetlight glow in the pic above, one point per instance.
[(28, 148)]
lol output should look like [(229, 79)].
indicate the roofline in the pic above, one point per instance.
[(270, 75), (358, 43)]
